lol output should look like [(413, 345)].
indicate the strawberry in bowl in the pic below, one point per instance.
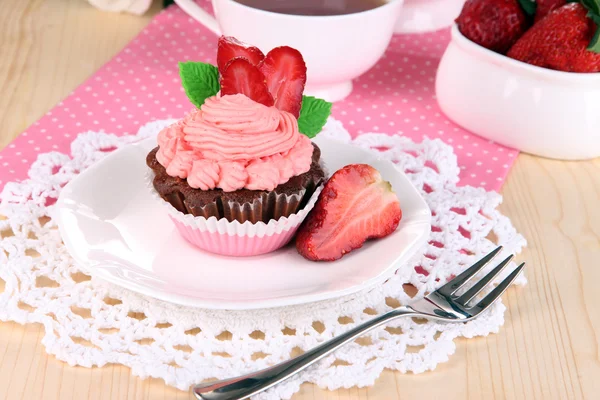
[(535, 89), (560, 41), (493, 24)]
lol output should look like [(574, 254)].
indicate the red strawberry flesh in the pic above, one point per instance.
[(229, 48), (285, 72), (355, 205), (559, 41), (240, 76), (493, 24)]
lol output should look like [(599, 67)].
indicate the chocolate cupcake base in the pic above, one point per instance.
[(241, 205)]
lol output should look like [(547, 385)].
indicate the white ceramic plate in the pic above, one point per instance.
[(113, 227)]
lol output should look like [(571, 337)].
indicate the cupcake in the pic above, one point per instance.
[(251, 165), (239, 173)]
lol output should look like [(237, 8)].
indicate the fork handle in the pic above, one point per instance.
[(251, 384)]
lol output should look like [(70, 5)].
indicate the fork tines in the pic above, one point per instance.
[(450, 288)]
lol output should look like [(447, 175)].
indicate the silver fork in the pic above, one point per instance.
[(443, 304)]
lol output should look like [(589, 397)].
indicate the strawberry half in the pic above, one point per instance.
[(229, 48), (242, 77), (356, 205), (285, 72)]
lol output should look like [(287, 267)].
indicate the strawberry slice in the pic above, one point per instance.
[(240, 76), (285, 71), (229, 48), (356, 205)]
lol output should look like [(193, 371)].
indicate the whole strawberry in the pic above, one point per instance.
[(559, 41), (493, 24), (544, 7)]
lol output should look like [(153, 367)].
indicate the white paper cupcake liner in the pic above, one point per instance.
[(232, 237)]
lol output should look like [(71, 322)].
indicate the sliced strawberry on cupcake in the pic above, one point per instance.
[(356, 205), (241, 77), (285, 72), (229, 48), (277, 79)]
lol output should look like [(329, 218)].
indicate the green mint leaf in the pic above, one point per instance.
[(528, 6), (167, 3), (313, 115), (200, 81)]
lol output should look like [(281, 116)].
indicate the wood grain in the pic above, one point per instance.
[(549, 347)]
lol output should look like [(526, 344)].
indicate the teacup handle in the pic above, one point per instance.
[(196, 12)]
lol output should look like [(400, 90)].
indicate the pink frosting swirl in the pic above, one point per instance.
[(204, 175), (233, 142)]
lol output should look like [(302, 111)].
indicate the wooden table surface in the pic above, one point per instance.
[(549, 347)]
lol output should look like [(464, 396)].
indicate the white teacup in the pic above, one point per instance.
[(336, 48), (428, 15)]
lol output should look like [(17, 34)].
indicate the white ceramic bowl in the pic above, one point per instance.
[(540, 111), (427, 15), (336, 48)]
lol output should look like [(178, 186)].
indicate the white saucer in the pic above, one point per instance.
[(113, 227)]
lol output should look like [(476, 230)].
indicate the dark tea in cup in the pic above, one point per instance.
[(313, 7)]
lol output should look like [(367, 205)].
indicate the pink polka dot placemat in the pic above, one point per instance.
[(142, 84)]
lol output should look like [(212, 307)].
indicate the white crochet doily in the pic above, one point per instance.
[(91, 323)]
